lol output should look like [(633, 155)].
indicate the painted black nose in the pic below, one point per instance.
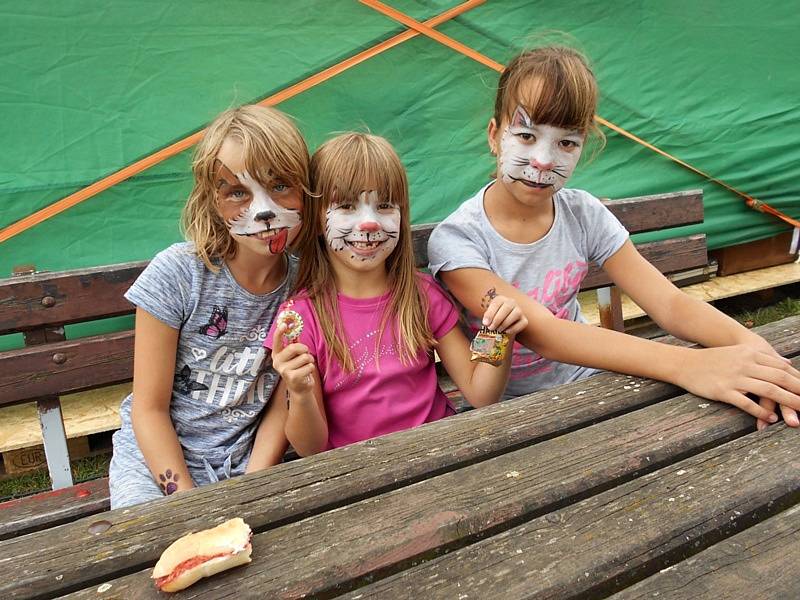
[(265, 215)]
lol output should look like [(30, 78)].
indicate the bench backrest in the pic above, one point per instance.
[(43, 302), (638, 215)]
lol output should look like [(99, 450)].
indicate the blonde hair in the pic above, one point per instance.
[(273, 149), (341, 169), (554, 85)]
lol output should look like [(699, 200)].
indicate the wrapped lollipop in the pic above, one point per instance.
[(292, 322), (489, 346)]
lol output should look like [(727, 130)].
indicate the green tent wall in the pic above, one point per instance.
[(89, 88)]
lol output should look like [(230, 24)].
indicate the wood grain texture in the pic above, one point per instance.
[(77, 295), (335, 551), (638, 215), (65, 367), (621, 535), (23, 515), (760, 562), (307, 487), (304, 489), (668, 256)]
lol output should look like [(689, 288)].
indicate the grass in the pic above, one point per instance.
[(83, 469), (785, 308), (751, 310)]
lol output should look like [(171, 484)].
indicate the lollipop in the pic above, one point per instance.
[(292, 323)]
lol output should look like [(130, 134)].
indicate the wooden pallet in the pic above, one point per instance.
[(715, 288), (85, 414)]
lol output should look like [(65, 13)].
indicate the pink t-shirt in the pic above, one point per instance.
[(376, 399)]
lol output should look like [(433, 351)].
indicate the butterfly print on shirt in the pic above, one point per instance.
[(184, 383), (217, 325)]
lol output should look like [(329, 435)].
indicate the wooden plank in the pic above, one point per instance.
[(668, 256), (304, 488), (715, 288), (659, 211), (768, 252), (294, 491), (23, 460), (84, 413), (65, 297), (638, 215), (48, 509), (65, 367), (756, 563), (605, 542), (338, 550)]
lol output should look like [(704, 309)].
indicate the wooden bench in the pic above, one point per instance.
[(40, 304)]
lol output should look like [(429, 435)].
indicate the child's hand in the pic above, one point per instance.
[(789, 414), (294, 363), (504, 314), (729, 373)]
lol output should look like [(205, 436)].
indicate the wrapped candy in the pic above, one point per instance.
[(489, 346)]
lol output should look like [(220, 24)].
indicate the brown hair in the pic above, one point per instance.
[(341, 169), (273, 150), (555, 86)]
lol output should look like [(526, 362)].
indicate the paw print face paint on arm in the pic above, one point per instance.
[(266, 219), (538, 156), (363, 231)]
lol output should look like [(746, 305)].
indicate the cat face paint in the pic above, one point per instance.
[(266, 220), (538, 156), (363, 231)]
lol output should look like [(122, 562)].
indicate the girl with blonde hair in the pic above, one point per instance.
[(203, 307), (529, 237), (362, 363)]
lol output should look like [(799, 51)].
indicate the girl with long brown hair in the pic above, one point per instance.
[(529, 237), (200, 379), (362, 362)]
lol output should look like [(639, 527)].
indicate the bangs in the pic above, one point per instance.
[(283, 163), (554, 86), (350, 164)]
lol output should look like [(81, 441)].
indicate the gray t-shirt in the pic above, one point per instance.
[(549, 270), (222, 380)]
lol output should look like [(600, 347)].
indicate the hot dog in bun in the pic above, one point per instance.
[(202, 554)]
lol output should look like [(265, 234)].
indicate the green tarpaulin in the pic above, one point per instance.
[(88, 88)]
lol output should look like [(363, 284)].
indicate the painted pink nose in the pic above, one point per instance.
[(541, 166), (370, 226)]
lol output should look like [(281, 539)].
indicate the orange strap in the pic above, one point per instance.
[(187, 142), (484, 60)]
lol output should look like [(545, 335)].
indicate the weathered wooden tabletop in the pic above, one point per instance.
[(610, 487)]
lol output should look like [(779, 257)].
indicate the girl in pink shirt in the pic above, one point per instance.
[(363, 363)]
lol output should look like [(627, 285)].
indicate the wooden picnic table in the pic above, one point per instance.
[(614, 486)]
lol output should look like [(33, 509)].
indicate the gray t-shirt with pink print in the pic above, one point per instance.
[(549, 270)]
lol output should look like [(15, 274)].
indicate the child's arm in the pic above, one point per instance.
[(155, 349), (682, 315), (481, 383), (270, 443), (300, 391), (725, 374)]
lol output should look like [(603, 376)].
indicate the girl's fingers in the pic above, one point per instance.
[(777, 394), (496, 313), (297, 362), (770, 406), (514, 322), (777, 362), (776, 376), (277, 339), (743, 402), (790, 416)]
